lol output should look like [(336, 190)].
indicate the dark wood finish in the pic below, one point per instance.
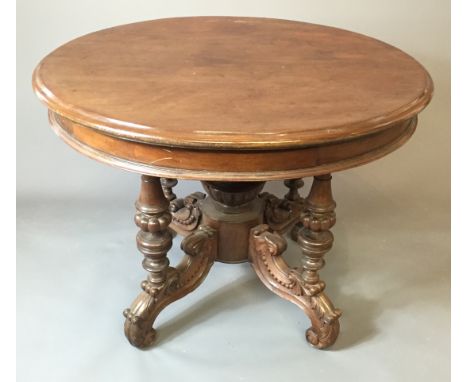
[(293, 195), (151, 97), (164, 284), (281, 214), (232, 209), (186, 213), (231, 213), (231, 82), (232, 165), (232, 102), (294, 185), (302, 287), (168, 184)]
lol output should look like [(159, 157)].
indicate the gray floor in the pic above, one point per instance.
[(388, 271)]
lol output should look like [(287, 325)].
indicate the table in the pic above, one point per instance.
[(232, 102)]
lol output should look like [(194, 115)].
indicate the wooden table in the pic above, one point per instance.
[(232, 102)]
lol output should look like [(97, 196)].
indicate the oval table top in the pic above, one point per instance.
[(228, 84)]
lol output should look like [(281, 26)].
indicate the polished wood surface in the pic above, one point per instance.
[(236, 99), (165, 284), (302, 286), (232, 102), (232, 165), (230, 82)]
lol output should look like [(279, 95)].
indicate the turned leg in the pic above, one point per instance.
[(293, 185), (302, 286), (293, 195), (316, 239), (164, 283)]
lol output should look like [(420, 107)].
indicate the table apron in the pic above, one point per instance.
[(235, 165)]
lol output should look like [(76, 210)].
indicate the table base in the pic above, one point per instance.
[(234, 223)]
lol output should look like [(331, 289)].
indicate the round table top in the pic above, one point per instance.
[(231, 83)]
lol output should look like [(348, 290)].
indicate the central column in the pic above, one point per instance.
[(232, 208)]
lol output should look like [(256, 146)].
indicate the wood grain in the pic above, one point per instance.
[(231, 83), (164, 284), (232, 165), (302, 286), (233, 102)]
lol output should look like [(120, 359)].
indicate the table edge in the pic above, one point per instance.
[(188, 174), (287, 140)]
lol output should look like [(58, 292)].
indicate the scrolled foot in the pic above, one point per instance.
[(325, 324), (138, 324), (141, 315)]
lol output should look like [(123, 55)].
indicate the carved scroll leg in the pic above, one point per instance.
[(302, 287), (164, 284)]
